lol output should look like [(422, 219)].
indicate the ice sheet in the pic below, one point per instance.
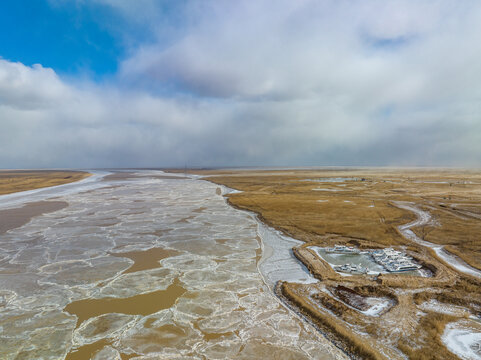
[(278, 261)]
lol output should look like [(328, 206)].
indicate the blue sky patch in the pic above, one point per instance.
[(68, 39)]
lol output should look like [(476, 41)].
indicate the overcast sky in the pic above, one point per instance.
[(124, 83)]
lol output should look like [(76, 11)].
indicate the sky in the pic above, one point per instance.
[(218, 83)]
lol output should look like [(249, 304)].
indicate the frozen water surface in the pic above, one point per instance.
[(364, 260), (278, 262), (333, 179), (463, 338), (66, 291), (423, 218)]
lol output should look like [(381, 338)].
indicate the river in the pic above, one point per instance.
[(144, 266)]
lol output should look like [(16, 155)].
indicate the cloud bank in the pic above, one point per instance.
[(251, 83)]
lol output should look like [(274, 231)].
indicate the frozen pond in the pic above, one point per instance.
[(334, 179), (148, 268), (463, 338), (365, 260)]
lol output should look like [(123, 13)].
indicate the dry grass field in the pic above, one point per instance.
[(358, 208), (20, 180)]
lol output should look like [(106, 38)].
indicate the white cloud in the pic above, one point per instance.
[(29, 87), (46, 122), (265, 82)]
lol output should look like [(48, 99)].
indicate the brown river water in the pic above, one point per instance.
[(142, 267)]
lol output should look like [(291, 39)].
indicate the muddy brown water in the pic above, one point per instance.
[(146, 259), (143, 304), (14, 218)]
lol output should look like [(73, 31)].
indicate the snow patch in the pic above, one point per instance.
[(379, 306), (463, 341), (327, 189), (448, 309)]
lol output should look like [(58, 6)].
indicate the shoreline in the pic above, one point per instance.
[(343, 352), (16, 181)]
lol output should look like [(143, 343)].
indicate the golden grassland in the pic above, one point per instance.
[(459, 231), (361, 212), (21, 180)]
